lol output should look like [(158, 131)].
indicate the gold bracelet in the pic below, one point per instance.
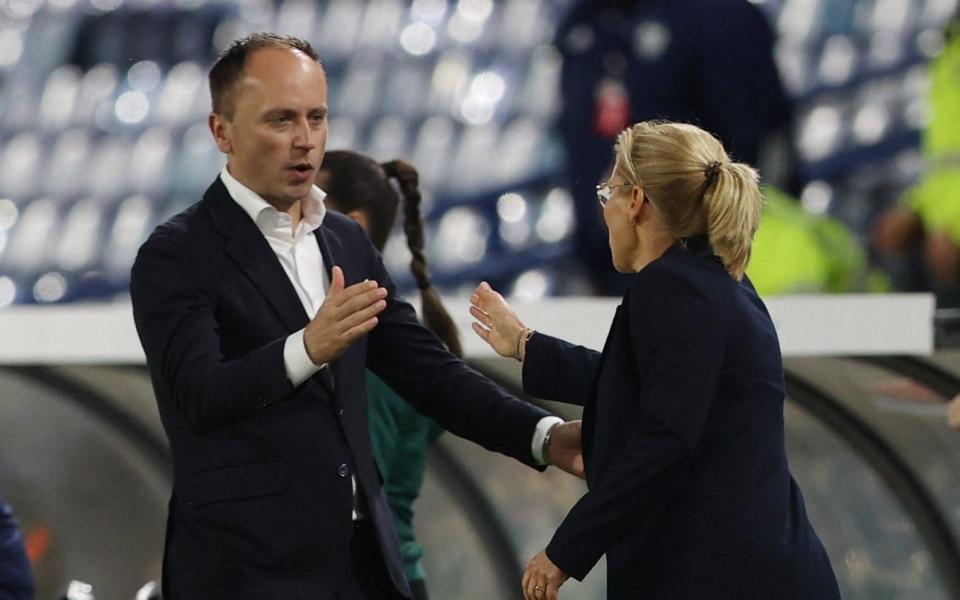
[(524, 337)]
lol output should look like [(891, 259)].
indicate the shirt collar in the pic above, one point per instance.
[(264, 214)]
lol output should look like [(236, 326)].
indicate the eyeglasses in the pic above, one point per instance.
[(605, 190)]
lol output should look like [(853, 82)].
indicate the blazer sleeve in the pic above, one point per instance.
[(416, 365), (176, 322), (678, 340), (557, 370)]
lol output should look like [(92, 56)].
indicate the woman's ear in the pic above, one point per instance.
[(635, 210)]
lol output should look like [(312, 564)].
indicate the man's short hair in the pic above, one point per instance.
[(228, 69)]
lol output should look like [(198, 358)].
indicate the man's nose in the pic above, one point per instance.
[(305, 137)]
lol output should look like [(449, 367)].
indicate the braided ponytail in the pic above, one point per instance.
[(434, 315)]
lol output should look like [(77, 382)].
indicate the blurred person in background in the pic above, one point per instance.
[(690, 495), (16, 578), (259, 312), (796, 251), (707, 62), (927, 221), (359, 187)]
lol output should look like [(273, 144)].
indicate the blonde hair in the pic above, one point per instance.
[(688, 176)]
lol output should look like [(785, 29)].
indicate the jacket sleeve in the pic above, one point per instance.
[(177, 325), (557, 370), (678, 340)]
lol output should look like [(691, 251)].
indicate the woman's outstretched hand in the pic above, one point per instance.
[(497, 324)]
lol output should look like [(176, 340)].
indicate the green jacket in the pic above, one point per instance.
[(937, 197), (795, 251), (400, 436)]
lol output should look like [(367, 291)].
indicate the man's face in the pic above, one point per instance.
[(277, 136)]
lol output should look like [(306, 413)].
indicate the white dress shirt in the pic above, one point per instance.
[(299, 254)]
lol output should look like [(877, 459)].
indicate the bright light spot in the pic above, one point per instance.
[(819, 134), (556, 218), (11, 47), (476, 111), (428, 10), (515, 235), (475, 10), (132, 107), (61, 5), (870, 123), (22, 9), (837, 62), (418, 38), (144, 76), (916, 113), (930, 42), (816, 197), (488, 86), (8, 291), (511, 207), (50, 288), (8, 214), (464, 30), (462, 234), (106, 5), (532, 285)]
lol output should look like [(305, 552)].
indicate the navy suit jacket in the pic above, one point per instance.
[(262, 500), (683, 439)]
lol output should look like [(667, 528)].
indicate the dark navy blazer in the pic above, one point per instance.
[(262, 500), (683, 437)]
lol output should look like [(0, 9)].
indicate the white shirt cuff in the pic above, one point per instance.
[(296, 360), (539, 433)]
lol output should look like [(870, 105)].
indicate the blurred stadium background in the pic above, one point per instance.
[(103, 135)]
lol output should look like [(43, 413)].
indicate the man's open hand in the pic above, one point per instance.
[(346, 314)]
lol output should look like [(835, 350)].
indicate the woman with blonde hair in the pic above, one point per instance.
[(689, 493)]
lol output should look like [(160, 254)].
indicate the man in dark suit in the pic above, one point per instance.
[(258, 311)]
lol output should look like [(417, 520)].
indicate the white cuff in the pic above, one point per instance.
[(539, 433), (296, 360)]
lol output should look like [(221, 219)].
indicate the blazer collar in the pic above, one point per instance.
[(250, 250), (695, 245)]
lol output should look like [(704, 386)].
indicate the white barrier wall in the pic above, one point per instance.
[(808, 325)]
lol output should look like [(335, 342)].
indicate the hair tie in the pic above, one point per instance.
[(712, 170)]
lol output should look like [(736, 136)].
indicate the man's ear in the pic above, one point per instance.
[(221, 130)]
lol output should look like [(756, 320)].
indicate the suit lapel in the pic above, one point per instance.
[(247, 247), (331, 248)]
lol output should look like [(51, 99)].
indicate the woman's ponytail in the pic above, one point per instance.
[(733, 204)]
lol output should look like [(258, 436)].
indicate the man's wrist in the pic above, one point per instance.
[(545, 447), (544, 427), (297, 362)]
